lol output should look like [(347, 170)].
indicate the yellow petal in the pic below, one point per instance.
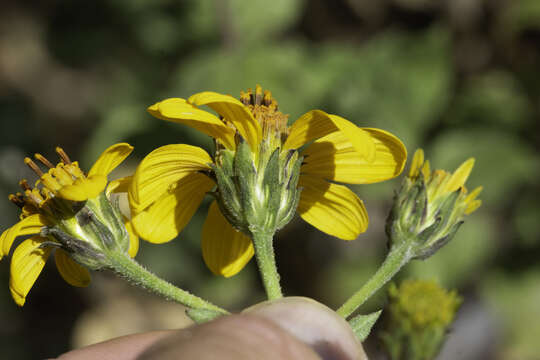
[(163, 168), (73, 273), (26, 264), (29, 225), (180, 111), (333, 157), (110, 159), (426, 171), (84, 188), (133, 239), (316, 123), (163, 220), (331, 208), (416, 163), (225, 250), (235, 112), (472, 202), (119, 185), (459, 177)]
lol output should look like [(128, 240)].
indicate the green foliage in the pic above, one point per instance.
[(362, 324)]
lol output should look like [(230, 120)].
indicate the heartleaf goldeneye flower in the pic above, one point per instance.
[(67, 212), (261, 173)]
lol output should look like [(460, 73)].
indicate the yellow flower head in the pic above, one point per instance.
[(262, 172), (61, 213), (419, 313), (431, 205)]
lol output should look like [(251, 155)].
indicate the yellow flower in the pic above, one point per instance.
[(440, 183), (418, 316), (431, 206), (172, 180), (57, 213)]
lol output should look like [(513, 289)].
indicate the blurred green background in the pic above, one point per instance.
[(459, 78)]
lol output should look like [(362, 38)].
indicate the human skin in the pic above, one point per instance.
[(288, 328)]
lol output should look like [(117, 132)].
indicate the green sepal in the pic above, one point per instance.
[(419, 210), (291, 210), (200, 316), (429, 232), (244, 175), (225, 159), (424, 253), (362, 324), (272, 188), (447, 207), (228, 195)]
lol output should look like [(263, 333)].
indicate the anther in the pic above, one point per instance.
[(258, 94), (267, 100), (32, 165), (24, 185), (16, 200), (244, 98), (43, 160), (63, 156)]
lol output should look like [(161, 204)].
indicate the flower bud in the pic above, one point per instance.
[(430, 206)]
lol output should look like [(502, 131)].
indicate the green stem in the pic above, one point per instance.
[(264, 252), (398, 256), (138, 275)]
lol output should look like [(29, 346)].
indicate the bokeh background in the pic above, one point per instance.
[(459, 78)]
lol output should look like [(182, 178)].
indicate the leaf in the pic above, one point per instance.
[(362, 324), (200, 316)]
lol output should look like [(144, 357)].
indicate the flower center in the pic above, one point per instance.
[(265, 110), (40, 198)]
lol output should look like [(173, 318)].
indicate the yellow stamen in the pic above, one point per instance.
[(63, 156), (268, 100), (74, 170), (34, 196), (32, 165), (16, 199), (258, 94), (43, 160), (24, 185), (63, 176), (50, 182), (245, 97)]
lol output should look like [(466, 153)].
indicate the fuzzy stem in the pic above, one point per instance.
[(128, 268), (398, 256), (264, 252)]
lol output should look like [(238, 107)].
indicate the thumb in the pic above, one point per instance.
[(314, 324)]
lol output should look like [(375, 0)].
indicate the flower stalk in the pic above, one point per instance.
[(398, 256), (264, 252), (129, 269)]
